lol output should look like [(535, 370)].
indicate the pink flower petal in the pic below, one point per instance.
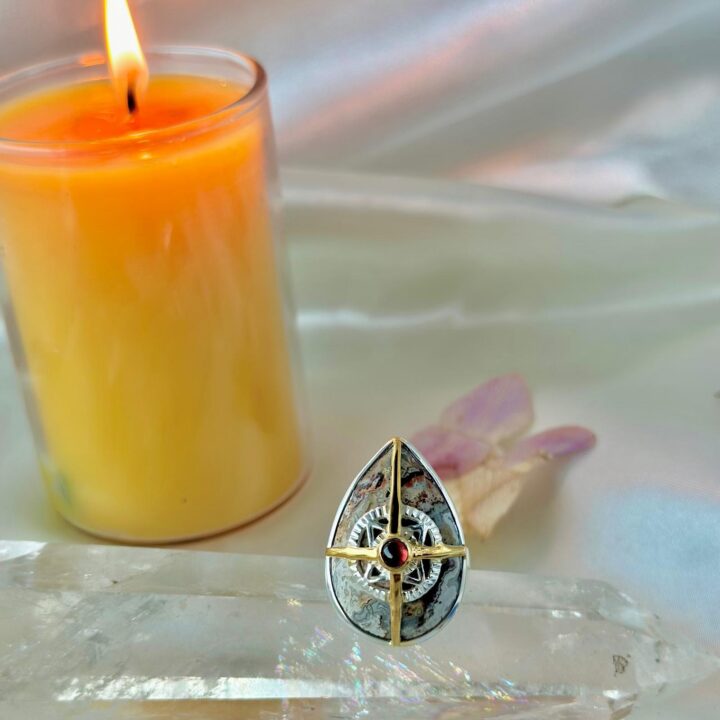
[(498, 410), (450, 453), (548, 445)]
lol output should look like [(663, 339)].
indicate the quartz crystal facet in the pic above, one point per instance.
[(120, 633)]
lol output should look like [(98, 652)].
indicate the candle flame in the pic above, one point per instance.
[(128, 66)]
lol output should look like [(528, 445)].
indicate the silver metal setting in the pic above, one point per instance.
[(396, 497)]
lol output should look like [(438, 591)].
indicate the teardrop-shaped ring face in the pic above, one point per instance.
[(396, 561)]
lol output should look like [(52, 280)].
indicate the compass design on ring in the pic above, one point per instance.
[(418, 529)]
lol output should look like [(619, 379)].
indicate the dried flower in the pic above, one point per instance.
[(478, 450)]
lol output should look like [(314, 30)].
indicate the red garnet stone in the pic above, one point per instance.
[(394, 553)]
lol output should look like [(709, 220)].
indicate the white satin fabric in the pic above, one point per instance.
[(503, 185), (603, 101)]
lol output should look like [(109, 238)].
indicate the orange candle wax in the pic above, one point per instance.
[(139, 255)]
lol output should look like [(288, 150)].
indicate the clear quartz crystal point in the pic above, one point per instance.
[(110, 632)]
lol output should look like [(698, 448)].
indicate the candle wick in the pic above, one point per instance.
[(132, 105)]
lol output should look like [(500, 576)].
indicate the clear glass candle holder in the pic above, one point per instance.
[(146, 305)]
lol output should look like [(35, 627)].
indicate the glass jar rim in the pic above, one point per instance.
[(39, 149)]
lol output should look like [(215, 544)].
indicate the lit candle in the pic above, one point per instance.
[(146, 304)]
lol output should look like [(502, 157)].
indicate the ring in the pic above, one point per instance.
[(396, 559)]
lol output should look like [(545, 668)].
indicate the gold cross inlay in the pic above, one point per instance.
[(415, 552)]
